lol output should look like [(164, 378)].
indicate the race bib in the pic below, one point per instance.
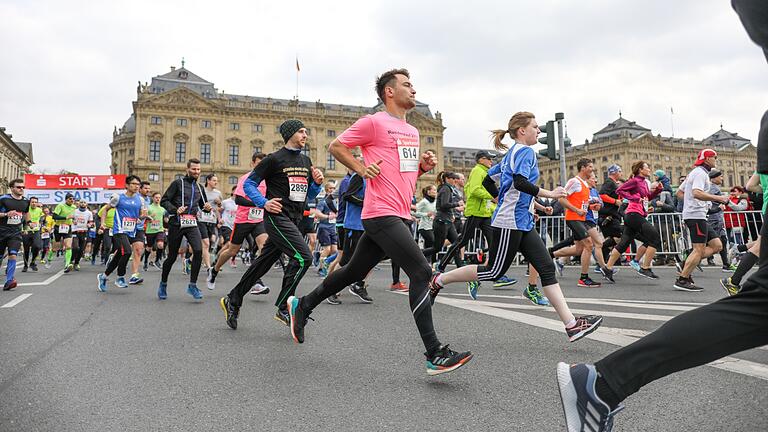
[(129, 224), (332, 220), (207, 217), (156, 225), (297, 188), (63, 229), (187, 221), (255, 214), (409, 156), (45, 235), (34, 226), (594, 214), (14, 220)]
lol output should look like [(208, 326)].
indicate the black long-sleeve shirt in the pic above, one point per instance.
[(445, 203), (193, 195)]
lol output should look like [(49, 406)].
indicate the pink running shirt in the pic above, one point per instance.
[(256, 214), (396, 143)]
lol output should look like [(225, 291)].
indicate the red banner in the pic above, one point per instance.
[(74, 181)]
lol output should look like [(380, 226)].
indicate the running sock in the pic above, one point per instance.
[(330, 259), (747, 262), (11, 270), (584, 276), (50, 255), (605, 393), (742, 248), (439, 281), (570, 323), (67, 257), (146, 257)]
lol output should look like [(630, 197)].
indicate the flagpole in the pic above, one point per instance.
[(297, 77), (672, 120)]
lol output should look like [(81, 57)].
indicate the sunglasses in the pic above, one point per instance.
[(20, 187)]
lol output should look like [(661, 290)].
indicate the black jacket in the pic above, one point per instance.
[(194, 198)]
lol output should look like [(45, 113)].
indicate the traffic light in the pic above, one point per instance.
[(550, 140)]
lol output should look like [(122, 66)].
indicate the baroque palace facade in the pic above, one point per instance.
[(15, 159), (179, 116), (623, 142)]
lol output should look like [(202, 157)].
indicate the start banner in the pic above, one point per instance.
[(74, 181), (49, 196)]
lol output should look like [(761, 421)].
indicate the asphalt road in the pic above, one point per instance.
[(74, 359)]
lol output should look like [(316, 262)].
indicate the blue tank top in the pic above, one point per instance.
[(127, 214)]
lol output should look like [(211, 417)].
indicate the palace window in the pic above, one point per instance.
[(234, 154), (154, 177), (205, 153), (205, 124), (154, 151), (256, 149), (331, 133), (605, 158), (616, 157), (181, 122), (232, 180), (430, 140), (234, 126), (181, 151), (330, 162), (155, 120), (257, 128)]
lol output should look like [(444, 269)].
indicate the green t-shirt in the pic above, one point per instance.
[(64, 211), (764, 185), (156, 212), (35, 214)]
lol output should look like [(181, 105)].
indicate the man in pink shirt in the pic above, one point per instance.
[(248, 220), (392, 147)]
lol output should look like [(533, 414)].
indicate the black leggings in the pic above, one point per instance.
[(505, 243), (637, 226), (32, 243), (78, 246), (467, 233), (106, 245), (386, 236), (429, 241), (175, 234), (120, 256), (442, 230)]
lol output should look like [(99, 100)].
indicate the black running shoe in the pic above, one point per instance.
[(446, 360), (33, 266), (583, 408), (686, 284), (24, 270), (588, 283), (283, 316), (607, 274), (434, 287), (647, 273), (298, 318), (230, 312), (360, 291), (584, 326), (334, 300)]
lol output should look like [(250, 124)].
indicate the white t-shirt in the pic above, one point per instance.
[(80, 220), (228, 212), (692, 207)]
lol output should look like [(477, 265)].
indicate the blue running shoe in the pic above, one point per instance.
[(533, 294), (559, 266), (504, 281), (472, 287), (315, 258), (135, 279), (583, 408), (635, 265), (161, 294), (322, 272), (102, 278), (187, 266), (194, 292), (120, 282)]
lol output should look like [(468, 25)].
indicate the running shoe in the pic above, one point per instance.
[(732, 252), (334, 300), (597, 269), (533, 294), (9, 285), (194, 291), (647, 273), (608, 274), (446, 360), (504, 281), (298, 318), (210, 280), (135, 279), (686, 284), (315, 259), (588, 283), (360, 291), (398, 287), (233, 264), (161, 294), (729, 269), (24, 270), (583, 408), (157, 265), (102, 279), (559, 266), (230, 312), (259, 288), (33, 267), (187, 266), (120, 282), (472, 287), (77, 267), (322, 272), (729, 287), (283, 316), (635, 265), (47, 264), (434, 287), (584, 326), (68, 268)]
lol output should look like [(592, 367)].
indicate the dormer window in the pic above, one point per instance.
[(183, 74)]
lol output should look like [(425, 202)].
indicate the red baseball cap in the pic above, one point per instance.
[(703, 155)]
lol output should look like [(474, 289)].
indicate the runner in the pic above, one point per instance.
[(129, 208), (609, 217), (31, 238), (291, 180), (13, 213), (63, 229), (696, 198), (391, 147), (249, 220), (45, 234), (183, 198), (354, 199), (158, 217), (340, 215), (576, 206), (228, 215), (425, 214), (514, 227), (107, 216), (139, 240), (82, 221), (325, 214), (208, 221), (445, 204)]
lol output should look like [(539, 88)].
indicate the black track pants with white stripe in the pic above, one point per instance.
[(386, 236), (506, 243)]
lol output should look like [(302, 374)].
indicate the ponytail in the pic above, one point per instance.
[(498, 135), (519, 120)]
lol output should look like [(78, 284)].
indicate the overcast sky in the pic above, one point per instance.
[(70, 69)]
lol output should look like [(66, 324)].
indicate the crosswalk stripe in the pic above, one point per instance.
[(612, 314), (601, 302), (16, 301)]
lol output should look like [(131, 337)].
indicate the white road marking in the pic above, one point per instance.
[(16, 301), (619, 337), (639, 304), (45, 282), (625, 315)]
